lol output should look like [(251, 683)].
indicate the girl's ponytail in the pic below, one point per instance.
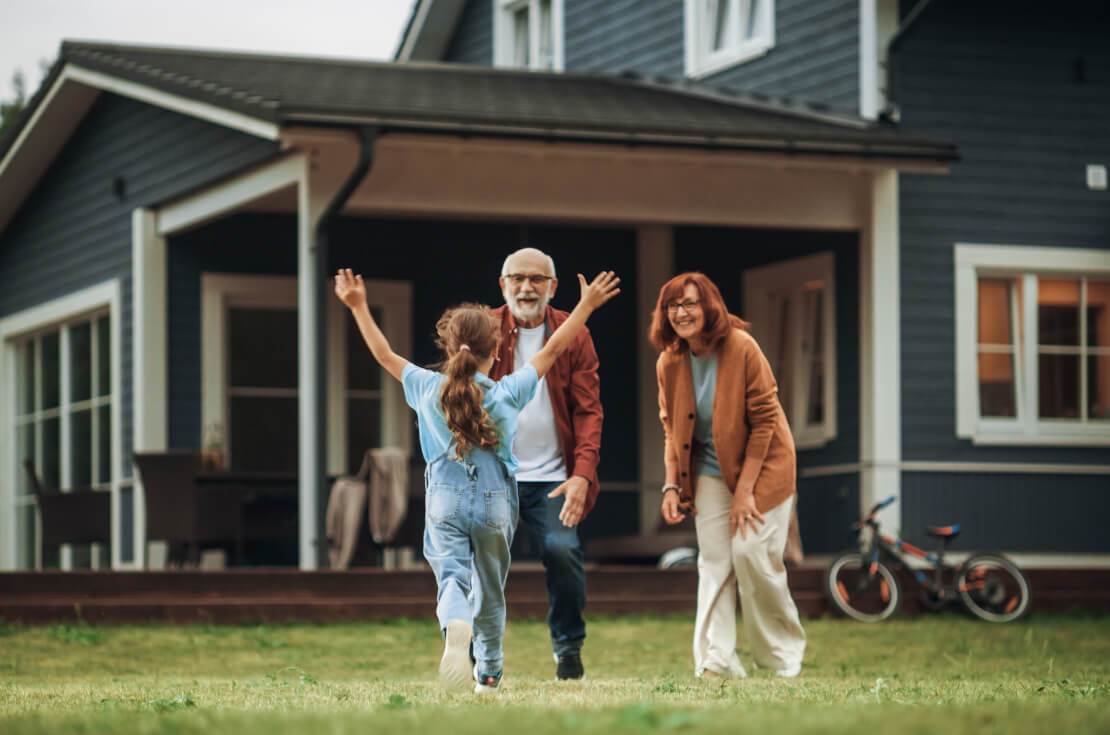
[(467, 334)]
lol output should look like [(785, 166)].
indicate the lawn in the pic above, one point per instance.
[(931, 674)]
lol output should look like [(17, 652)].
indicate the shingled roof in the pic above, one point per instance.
[(290, 90)]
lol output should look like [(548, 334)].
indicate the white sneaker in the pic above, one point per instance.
[(486, 683), (454, 667), (790, 671)]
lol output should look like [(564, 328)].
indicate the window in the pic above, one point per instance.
[(59, 402), (251, 392), (1033, 345), (792, 309), (722, 33), (528, 34)]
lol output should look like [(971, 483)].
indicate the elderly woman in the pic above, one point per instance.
[(730, 461)]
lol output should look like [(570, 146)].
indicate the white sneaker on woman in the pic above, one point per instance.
[(789, 672)]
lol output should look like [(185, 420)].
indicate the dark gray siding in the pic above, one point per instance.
[(73, 232), (1056, 513), (815, 58), (1000, 80), (472, 42), (827, 507)]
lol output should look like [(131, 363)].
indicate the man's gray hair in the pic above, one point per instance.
[(529, 251)]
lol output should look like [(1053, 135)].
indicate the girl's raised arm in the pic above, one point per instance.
[(350, 289), (594, 295)]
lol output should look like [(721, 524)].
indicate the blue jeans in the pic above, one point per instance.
[(471, 511), (561, 551)]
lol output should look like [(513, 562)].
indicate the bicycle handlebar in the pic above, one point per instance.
[(880, 505)]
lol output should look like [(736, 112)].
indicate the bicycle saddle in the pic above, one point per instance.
[(945, 531)]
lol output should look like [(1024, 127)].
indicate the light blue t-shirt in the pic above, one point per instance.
[(503, 401), (704, 371)]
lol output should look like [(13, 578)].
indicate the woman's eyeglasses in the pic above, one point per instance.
[(518, 279), (687, 306)]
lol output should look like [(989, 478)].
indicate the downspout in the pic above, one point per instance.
[(891, 112), (367, 137)]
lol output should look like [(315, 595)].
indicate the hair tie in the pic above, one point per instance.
[(464, 347)]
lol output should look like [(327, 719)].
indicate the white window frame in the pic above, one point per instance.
[(504, 52), (975, 261), (95, 301), (791, 275), (220, 291), (701, 61)]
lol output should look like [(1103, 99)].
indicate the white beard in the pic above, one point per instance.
[(525, 312)]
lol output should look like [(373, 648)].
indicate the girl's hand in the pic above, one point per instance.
[(744, 514), (350, 289), (603, 288)]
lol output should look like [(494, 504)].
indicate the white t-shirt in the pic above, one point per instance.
[(537, 449)]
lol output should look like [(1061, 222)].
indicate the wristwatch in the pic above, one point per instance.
[(671, 486)]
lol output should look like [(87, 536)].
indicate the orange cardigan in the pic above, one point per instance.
[(753, 441)]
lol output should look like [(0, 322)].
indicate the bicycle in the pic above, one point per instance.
[(863, 584)]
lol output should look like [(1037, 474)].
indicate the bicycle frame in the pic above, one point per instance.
[(894, 547)]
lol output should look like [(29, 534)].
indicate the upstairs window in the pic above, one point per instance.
[(722, 33), (528, 34)]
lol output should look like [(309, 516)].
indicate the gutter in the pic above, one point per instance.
[(368, 135)]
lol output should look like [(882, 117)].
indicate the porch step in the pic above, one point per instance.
[(274, 595)]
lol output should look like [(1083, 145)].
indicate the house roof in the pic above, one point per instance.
[(290, 90)]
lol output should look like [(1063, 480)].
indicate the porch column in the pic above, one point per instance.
[(309, 280), (880, 351), (148, 370), (654, 265)]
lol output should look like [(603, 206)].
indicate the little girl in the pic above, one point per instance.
[(467, 424)]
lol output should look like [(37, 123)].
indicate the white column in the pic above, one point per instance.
[(308, 283), (880, 352), (654, 266), (148, 362)]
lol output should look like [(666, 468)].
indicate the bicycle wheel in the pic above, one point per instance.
[(859, 592), (993, 588)]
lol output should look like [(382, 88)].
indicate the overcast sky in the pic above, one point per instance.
[(32, 30)]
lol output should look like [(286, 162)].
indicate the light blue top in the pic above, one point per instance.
[(704, 371), (503, 401)]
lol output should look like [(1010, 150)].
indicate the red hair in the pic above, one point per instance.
[(718, 321)]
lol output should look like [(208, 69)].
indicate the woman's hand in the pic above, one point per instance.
[(603, 288), (350, 289), (673, 509), (743, 514)]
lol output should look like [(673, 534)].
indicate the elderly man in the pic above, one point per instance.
[(557, 443)]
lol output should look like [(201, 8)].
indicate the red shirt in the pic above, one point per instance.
[(575, 391)]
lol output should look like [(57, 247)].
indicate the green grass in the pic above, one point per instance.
[(932, 674)]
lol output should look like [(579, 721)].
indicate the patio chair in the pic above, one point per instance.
[(80, 516), (180, 512)]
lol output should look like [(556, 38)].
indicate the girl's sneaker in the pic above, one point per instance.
[(487, 683), (454, 667)]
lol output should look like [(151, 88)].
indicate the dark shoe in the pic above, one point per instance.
[(569, 666)]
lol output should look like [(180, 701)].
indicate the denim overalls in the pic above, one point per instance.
[(471, 513)]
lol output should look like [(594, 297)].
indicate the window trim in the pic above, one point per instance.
[(101, 298), (503, 33), (973, 261), (220, 290), (700, 64), (789, 274)]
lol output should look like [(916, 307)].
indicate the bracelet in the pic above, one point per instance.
[(671, 486)]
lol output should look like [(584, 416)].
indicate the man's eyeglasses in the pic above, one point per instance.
[(518, 279), (687, 306)]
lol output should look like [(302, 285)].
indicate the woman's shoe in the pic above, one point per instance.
[(454, 667)]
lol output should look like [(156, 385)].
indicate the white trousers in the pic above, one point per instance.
[(753, 567)]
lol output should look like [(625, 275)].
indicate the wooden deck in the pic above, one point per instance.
[(273, 595)]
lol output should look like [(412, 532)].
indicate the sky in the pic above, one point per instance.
[(32, 30)]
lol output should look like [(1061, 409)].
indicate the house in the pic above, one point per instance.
[(168, 219)]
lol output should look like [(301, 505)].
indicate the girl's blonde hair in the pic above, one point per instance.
[(468, 334)]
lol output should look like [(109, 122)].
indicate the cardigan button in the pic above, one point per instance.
[(685, 446), (684, 473), (690, 416)]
